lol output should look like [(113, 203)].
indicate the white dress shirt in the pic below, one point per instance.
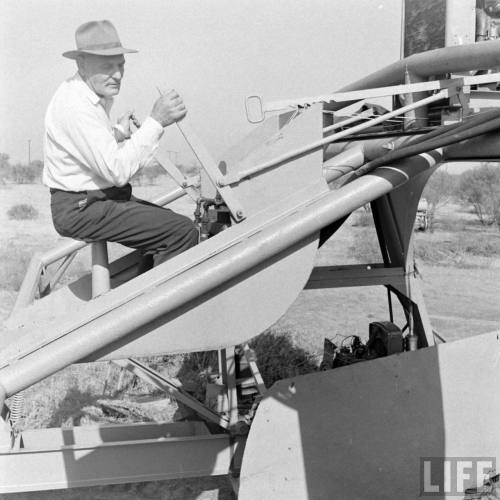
[(80, 149)]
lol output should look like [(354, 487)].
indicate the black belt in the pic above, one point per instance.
[(54, 190), (111, 193)]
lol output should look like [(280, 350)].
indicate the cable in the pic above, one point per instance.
[(449, 136)]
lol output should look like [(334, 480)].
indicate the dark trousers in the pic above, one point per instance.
[(113, 214)]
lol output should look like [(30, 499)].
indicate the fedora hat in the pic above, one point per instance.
[(99, 38)]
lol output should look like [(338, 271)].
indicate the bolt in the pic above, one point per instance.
[(185, 184), (239, 214)]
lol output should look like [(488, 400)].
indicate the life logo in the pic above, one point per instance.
[(457, 476)]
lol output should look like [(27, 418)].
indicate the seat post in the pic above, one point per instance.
[(100, 268)]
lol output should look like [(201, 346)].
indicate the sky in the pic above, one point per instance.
[(213, 52)]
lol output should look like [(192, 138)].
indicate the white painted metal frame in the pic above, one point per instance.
[(255, 105)]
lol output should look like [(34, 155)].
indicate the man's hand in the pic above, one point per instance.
[(122, 127), (168, 108)]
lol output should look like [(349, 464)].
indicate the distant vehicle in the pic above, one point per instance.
[(422, 218)]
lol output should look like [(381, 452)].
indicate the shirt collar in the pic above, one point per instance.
[(88, 93)]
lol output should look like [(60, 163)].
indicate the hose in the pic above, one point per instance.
[(423, 144)]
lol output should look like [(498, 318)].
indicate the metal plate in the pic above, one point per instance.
[(361, 431)]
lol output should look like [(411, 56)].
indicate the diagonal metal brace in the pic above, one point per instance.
[(212, 170), (172, 388)]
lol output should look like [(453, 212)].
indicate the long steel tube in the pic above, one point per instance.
[(196, 281), (480, 55)]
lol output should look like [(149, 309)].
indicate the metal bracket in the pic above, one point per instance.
[(256, 109), (212, 170), (7, 435), (187, 183), (450, 89), (172, 388)]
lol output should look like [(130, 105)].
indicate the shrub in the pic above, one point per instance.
[(481, 188), (438, 192), (279, 358), (22, 212), (458, 249), (26, 174)]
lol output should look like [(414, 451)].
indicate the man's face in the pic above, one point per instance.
[(103, 74)]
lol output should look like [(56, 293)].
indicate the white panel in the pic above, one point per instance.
[(460, 22)]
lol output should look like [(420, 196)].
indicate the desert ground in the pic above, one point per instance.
[(461, 287)]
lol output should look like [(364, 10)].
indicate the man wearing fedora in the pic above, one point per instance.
[(88, 162)]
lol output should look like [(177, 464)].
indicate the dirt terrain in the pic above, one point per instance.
[(461, 300)]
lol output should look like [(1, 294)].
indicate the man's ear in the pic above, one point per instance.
[(80, 62)]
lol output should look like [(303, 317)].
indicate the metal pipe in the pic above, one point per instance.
[(465, 131), (29, 286), (169, 197), (456, 59), (353, 119), (62, 269), (372, 148), (298, 226), (344, 163), (483, 147), (101, 280)]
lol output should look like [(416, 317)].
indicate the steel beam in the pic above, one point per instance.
[(112, 454), (355, 275)]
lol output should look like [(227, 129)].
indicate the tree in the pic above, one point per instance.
[(5, 167), (20, 173), (438, 192), (27, 174), (481, 188)]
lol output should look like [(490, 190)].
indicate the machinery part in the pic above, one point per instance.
[(17, 407), (341, 434), (478, 126), (385, 338), (213, 171), (172, 388), (256, 109), (313, 146), (212, 216), (112, 454)]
